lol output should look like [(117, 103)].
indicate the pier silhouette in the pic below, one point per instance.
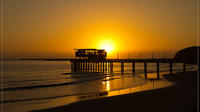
[(86, 65), (94, 60)]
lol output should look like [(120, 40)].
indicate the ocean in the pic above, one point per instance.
[(30, 85)]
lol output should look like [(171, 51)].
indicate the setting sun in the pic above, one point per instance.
[(108, 45)]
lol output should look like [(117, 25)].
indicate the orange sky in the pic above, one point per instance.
[(53, 28)]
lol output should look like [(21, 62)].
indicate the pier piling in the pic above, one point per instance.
[(122, 67), (184, 67), (133, 67), (170, 67), (111, 67), (145, 67), (158, 70), (106, 66), (103, 66)]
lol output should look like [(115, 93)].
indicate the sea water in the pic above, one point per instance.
[(30, 85)]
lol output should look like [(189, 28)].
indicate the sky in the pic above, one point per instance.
[(126, 28)]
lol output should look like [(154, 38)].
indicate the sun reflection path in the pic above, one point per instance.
[(107, 84)]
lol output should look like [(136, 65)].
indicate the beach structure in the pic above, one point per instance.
[(94, 60), (91, 54)]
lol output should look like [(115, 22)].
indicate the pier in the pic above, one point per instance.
[(86, 65), (94, 60)]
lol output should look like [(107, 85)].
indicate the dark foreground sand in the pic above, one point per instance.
[(181, 97)]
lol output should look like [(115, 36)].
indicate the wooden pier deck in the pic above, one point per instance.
[(168, 60)]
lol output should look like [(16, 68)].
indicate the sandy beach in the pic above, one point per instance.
[(178, 98)]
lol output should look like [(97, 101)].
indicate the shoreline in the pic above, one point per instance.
[(179, 97)]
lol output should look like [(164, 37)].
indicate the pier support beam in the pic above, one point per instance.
[(72, 66), (158, 70), (75, 66), (145, 70), (78, 66), (86, 65), (106, 68), (170, 67), (145, 67), (133, 67), (90, 66), (184, 67), (83, 66), (122, 67), (103, 66), (98, 66), (95, 66), (111, 67)]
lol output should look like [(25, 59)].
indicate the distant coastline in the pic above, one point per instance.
[(46, 59)]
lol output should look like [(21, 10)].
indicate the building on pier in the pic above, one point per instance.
[(91, 54)]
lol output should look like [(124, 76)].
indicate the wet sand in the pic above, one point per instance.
[(180, 97)]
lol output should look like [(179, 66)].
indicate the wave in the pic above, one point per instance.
[(84, 77), (52, 85), (72, 95), (34, 99)]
